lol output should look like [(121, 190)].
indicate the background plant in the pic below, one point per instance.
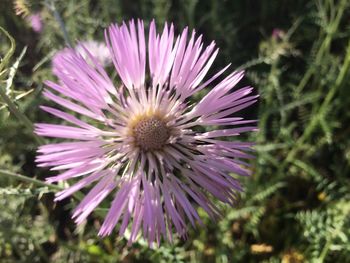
[(295, 207)]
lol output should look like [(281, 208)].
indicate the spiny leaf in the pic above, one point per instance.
[(12, 72), (4, 62)]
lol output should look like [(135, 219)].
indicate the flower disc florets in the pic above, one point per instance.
[(150, 133)]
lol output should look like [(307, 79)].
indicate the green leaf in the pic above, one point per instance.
[(9, 54), (12, 72)]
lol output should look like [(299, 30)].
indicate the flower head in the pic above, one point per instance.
[(277, 33), (85, 49), (143, 137), (35, 22), (98, 49)]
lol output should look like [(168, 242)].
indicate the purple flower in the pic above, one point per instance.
[(98, 49), (277, 33), (143, 138), (35, 22), (85, 49)]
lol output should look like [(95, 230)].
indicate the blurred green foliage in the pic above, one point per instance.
[(295, 207)]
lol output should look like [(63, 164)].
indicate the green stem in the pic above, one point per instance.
[(321, 110), (324, 47), (51, 5), (9, 54), (252, 63), (28, 179), (332, 91), (12, 107), (77, 195), (325, 251), (20, 116)]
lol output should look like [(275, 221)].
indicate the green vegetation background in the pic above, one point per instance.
[(295, 207)]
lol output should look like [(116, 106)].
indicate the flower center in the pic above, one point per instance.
[(150, 133)]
